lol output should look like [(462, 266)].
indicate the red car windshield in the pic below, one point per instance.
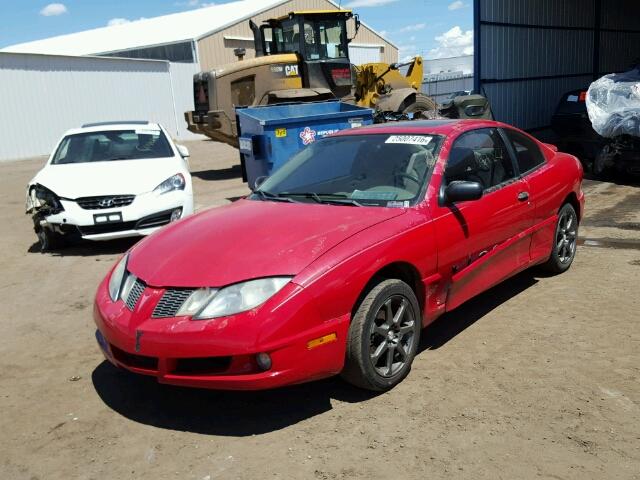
[(383, 170)]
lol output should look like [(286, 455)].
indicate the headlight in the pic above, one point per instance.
[(176, 182), (42, 197), (208, 303), (117, 278)]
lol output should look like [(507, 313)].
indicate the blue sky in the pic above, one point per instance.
[(432, 28)]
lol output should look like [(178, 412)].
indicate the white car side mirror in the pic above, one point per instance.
[(184, 151)]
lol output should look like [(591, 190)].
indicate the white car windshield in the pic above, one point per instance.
[(112, 145)]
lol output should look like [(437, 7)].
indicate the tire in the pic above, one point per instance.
[(421, 104), (564, 241), (602, 163), (374, 333), (49, 240)]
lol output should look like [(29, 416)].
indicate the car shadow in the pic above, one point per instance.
[(239, 414), (222, 174), (438, 333), (87, 248), (212, 412)]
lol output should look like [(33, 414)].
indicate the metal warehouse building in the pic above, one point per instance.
[(62, 82), (204, 36), (529, 52)]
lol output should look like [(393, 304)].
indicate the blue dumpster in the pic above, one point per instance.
[(269, 135)]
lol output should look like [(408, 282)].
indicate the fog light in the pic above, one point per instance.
[(264, 361), (176, 214)]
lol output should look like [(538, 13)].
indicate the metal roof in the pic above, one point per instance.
[(167, 29)]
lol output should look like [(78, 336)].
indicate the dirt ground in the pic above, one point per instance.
[(537, 378)]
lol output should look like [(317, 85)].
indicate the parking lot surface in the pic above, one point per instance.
[(537, 378)]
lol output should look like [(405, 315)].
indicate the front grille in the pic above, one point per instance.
[(108, 201), (134, 360), (171, 301), (135, 293), (106, 228)]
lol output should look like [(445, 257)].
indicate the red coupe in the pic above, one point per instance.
[(336, 262)]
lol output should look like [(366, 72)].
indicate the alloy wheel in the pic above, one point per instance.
[(392, 336), (566, 236)]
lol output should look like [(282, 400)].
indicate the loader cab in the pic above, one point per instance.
[(320, 40)]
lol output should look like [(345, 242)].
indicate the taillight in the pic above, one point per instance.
[(341, 74), (583, 96)]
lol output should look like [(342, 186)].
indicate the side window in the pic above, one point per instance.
[(528, 154), (479, 156)]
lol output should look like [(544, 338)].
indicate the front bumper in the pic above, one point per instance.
[(147, 213), (221, 353)]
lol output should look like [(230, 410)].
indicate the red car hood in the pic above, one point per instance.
[(247, 239)]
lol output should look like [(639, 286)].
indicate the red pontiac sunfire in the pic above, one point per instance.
[(336, 262)]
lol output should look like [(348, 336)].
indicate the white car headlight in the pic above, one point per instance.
[(176, 182), (117, 278), (206, 303)]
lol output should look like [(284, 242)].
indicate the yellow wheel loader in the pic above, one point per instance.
[(303, 56)]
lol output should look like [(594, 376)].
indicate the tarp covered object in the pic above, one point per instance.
[(613, 104)]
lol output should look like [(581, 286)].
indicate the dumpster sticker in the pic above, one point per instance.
[(291, 70), (281, 132), (308, 136), (409, 139), (324, 133)]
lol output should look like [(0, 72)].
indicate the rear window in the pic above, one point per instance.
[(112, 146), (528, 154)]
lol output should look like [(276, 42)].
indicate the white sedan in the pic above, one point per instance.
[(110, 180)]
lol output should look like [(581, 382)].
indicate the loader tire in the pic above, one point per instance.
[(422, 107)]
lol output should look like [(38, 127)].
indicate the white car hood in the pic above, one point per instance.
[(118, 177)]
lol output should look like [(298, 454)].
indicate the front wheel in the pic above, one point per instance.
[(565, 240), (49, 240), (383, 337)]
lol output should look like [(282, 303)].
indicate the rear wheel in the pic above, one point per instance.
[(422, 107), (383, 337), (565, 240)]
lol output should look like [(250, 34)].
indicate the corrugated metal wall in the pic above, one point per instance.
[(42, 96), (530, 52), (440, 90), (216, 50)]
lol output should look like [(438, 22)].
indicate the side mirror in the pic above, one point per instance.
[(460, 191), (183, 151), (259, 181)]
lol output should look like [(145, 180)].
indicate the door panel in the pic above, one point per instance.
[(484, 241)]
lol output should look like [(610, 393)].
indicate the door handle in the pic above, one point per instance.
[(523, 196)]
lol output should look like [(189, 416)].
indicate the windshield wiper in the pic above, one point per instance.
[(312, 195), (335, 198), (264, 195)]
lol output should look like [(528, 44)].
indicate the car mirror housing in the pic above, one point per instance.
[(462, 191), (183, 151)]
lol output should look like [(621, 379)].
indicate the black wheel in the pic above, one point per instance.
[(383, 337), (49, 240), (565, 241), (422, 107)]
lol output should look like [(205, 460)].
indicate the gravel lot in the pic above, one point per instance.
[(537, 378)]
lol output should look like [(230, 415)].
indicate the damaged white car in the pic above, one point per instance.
[(110, 180)]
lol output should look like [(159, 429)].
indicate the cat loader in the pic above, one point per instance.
[(304, 57)]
